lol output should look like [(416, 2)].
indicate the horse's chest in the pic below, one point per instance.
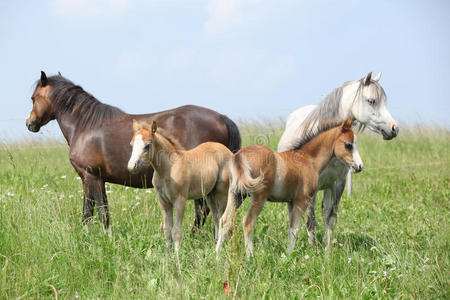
[(335, 170)]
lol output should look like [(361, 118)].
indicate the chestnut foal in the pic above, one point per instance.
[(202, 172), (290, 176)]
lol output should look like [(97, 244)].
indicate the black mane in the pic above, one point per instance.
[(309, 136), (67, 97)]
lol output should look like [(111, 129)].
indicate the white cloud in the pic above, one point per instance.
[(224, 14), (89, 8)]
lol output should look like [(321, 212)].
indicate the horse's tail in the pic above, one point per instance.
[(234, 137), (242, 182)]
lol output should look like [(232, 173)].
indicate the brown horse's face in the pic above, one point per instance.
[(42, 111), (346, 149), (142, 145)]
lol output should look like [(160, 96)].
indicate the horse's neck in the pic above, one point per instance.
[(320, 149), (349, 95), (162, 154), (68, 124)]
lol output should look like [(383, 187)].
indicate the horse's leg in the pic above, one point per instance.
[(311, 223), (167, 212), (201, 213), (177, 230), (330, 208), (225, 221), (88, 206), (256, 206), (296, 209), (95, 193)]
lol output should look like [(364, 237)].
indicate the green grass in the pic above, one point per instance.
[(392, 238)]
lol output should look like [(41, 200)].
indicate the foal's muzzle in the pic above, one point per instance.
[(357, 168), (134, 169)]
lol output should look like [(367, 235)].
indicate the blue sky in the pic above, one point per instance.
[(245, 58)]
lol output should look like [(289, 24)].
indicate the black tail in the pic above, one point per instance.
[(234, 137)]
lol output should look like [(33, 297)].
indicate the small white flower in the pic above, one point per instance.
[(384, 273), (334, 241), (362, 259), (10, 194), (341, 245), (124, 209), (138, 198), (349, 260), (148, 191), (109, 192), (70, 196), (373, 248), (77, 178), (127, 187), (137, 203), (63, 177), (283, 256), (373, 272), (306, 256), (44, 186), (393, 269)]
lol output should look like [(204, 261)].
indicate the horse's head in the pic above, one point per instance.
[(370, 109), (42, 111), (345, 147), (142, 144)]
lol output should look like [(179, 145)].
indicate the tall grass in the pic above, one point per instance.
[(392, 237)]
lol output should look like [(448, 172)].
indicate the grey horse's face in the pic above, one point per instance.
[(370, 109)]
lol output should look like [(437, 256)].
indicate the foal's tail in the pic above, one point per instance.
[(234, 137), (242, 182)]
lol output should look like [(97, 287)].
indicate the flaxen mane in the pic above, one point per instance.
[(70, 98)]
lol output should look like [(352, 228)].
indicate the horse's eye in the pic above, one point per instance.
[(147, 147), (371, 101), (348, 146)]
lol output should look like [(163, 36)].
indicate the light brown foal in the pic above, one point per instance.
[(202, 172), (290, 176)]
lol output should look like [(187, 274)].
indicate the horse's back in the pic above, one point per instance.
[(292, 131)]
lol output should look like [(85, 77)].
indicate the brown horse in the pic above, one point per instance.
[(99, 137), (202, 172), (290, 176)]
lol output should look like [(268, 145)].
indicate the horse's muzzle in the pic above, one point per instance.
[(390, 135), (32, 126)]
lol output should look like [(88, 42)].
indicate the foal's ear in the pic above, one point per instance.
[(43, 79), (136, 125), (347, 125), (154, 127), (59, 74), (366, 80)]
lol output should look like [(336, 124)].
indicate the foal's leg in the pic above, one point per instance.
[(225, 221), (250, 218), (329, 210), (177, 230), (311, 223), (167, 212), (95, 188), (296, 209), (212, 203)]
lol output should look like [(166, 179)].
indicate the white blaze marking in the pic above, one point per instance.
[(356, 157), (138, 148)]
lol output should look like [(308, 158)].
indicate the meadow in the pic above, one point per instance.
[(392, 238)]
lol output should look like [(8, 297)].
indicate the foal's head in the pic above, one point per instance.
[(345, 147), (142, 144)]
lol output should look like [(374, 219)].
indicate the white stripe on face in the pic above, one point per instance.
[(138, 148), (356, 157)]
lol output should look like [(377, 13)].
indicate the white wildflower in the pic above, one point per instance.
[(349, 260), (306, 256), (63, 177), (373, 248), (148, 191)]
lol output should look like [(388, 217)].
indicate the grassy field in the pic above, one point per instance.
[(392, 238)]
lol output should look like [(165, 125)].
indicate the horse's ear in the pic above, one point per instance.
[(347, 125), (59, 74), (366, 80), (154, 127), (377, 78), (136, 125), (43, 79)]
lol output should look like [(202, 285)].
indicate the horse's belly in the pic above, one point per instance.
[(335, 170)]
